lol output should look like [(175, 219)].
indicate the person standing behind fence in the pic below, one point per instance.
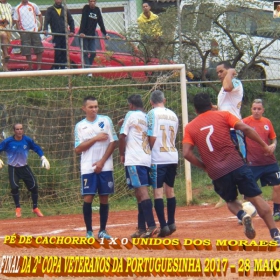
[(91, 16), (17, 148), (55, 18), (6, 22), (25, 17)]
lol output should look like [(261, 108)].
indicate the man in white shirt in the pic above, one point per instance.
[(162, 130), (6, 22), (135, 154), (95, 140), (230, 99), (25, 16)]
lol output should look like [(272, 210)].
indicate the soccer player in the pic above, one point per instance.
[(230, 99), (95, 139), (135, 154), (162, 130), (17, 148), (209, 131), (264, 167)]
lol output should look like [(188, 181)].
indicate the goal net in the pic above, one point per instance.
[(48, 104)]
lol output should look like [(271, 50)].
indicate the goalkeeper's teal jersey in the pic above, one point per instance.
[(17, 150)]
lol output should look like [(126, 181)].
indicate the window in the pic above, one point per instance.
[(253, 22), (188, 18), (119, 45), (204, 18)]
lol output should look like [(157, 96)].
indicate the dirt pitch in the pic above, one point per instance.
[(193, 222)]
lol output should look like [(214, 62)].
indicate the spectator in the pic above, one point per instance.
[(55, 18), (6, 22), (25, 16), (148, 23), (91, 16), (150, 31), (276, 13)]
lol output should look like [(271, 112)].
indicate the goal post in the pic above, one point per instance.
[(48, 103)]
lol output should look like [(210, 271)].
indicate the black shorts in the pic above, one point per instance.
[(21, 173), (163, 173), (269, 175), (240, 179)]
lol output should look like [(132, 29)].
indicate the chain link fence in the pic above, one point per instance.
[(194, 32)]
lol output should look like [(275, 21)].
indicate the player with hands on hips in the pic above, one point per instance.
[(17, 149)]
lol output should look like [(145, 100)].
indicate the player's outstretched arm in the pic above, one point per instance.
[(45, 163)]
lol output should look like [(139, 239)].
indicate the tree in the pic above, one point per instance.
[(245, 32)]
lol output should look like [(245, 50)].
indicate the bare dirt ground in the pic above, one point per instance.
[(193, 222)]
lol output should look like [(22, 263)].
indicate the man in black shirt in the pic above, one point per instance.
[(91, 16), (55, 18)]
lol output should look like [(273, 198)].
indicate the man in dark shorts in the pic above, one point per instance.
[(17, 148), (135, 154), (209, 132), (162, 130), (95, 138), (264, 167)]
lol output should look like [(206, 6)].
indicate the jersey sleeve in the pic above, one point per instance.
[(77, 136), (34, 146), (37, 10), (187, 137), (152, 124), (128, 121), (236, 83), (272, 134), (231, 119), (111, 132)]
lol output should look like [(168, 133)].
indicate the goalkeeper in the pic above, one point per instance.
[(17, 148)]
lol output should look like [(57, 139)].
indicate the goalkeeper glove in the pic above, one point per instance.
[(1, 163), (45, 163)]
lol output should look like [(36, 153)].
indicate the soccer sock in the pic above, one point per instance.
[(274, 232), (87, 211), (104, 213), (34, 197), (159, 207), (16, 200), (171, 206), (276, 208), (147, 208), (240, 214), (141, 218)]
